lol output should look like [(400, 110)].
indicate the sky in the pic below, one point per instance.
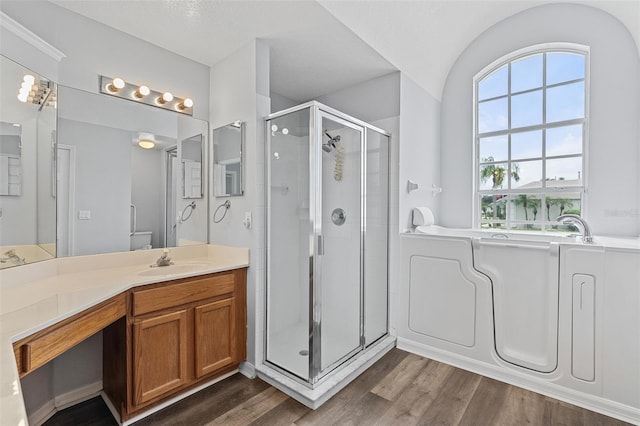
[(563, 102)]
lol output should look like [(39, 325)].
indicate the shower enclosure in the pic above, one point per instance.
[(327, 186)]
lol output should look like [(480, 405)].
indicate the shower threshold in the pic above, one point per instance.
[(333, 382)]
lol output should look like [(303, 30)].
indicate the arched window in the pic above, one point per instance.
[(531, 116)]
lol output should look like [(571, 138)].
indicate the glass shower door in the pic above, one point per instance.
[(289, 243), (337, 285)]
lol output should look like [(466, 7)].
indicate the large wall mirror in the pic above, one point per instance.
[(227, 160), (27, 135), (125, 171)]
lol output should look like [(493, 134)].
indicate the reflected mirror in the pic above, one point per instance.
[(227, 159), (192, 167), (120, 179), (27, 133), (10, 158)]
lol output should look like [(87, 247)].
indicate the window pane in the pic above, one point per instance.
[(526, 145), (564, 67), (562, 204), (494, 149), (526, 73), (565, 102), (526, 109), (563, 172), (525, 207), (564, 140), (493, 207), (494, 84), (492, 115), (493, 176), (526, 174), (526, 226)]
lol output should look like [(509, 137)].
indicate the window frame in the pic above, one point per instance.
[(543, 191)]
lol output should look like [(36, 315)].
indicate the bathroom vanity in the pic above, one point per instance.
[(175, 336), (166, 330)]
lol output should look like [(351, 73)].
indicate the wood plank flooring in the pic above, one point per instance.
[(400, 389)]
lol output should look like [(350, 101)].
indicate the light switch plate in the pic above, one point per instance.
[(247, 220), (84, 214)]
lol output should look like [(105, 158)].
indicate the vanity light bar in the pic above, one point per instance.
[(36, 91), (142, 94)]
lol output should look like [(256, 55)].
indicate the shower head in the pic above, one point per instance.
[(331, 143)]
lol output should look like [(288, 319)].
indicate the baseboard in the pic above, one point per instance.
[(77, 396), (65, 400), (247, 369), (590, 402), (43, 413)]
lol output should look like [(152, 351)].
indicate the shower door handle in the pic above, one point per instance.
[(320, 245)]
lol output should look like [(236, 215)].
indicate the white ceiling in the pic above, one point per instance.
[(318, 47)]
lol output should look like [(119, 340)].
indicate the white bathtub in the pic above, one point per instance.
[(540, 311)]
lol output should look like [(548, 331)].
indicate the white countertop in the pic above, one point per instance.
[(35, 296)]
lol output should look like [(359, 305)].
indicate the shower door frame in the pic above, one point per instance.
[(316, 111), (316, 372)]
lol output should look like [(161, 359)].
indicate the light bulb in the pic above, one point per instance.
[(24, 90), (186, 103), (29, 79), (146, 144), (22, 97), (274, 128), (166, 97), (142, 92), (285, 131), (26, 84), (115, 85)]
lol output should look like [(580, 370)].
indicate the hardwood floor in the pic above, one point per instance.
[(400, 389)]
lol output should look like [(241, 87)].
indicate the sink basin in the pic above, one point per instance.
[(184, 268)]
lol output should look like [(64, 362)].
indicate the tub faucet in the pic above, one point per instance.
[(574, 219), (12, 256), (163, 260)]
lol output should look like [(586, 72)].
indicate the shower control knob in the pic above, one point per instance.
[(338, 216)]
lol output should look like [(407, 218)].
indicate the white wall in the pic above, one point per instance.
[(369, 101), (18, 224), (46, 201), (103, 186), (419, 151), (147, 191), (240, 91), (613, 200)]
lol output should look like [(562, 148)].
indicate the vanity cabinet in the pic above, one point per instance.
[(159, 355), (177, 335)]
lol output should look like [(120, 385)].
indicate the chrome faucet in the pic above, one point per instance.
[(12, 256), (574, 219), (163, 260)]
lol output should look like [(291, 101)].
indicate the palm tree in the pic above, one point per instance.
[(564, 203), (497, 173), (525, 201), (535, 204)]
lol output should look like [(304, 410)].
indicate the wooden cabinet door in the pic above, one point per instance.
[(159, 355), (215, 336)]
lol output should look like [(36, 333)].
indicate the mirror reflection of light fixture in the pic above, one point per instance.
[(143, 94), (146, 140)]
